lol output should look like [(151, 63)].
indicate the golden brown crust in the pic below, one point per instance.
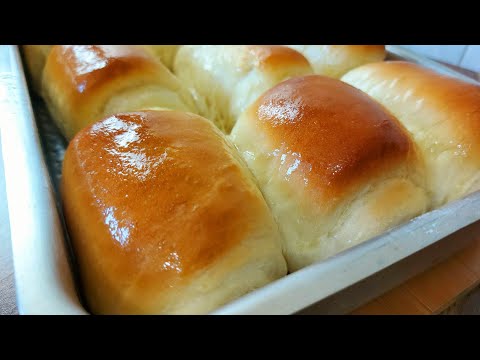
[(84, 83), (337, 135), (442, 114), (270, 57), (365, 49), (81, 69), (150, 199), (459, 100)]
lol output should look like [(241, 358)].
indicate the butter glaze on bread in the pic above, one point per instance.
[(335, 60), (83, 83), (335, 167), (443, 115), (164, 217), (35, 57), (228, 78)]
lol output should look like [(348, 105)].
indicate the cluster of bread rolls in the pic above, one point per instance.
[(196, 174), (441, 113), (228, 78)]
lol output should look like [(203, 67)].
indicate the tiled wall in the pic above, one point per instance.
[(466, 56)]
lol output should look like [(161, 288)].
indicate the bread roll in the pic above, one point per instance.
[(336, 60), (83, 83), (35, 57), (334, 166), (165, 53), (229, 78), (163, 216), (441, 112)]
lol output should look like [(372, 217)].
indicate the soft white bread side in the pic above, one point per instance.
[(165, 53), (164, 216), (335, 60), (83, 83), (35, 57), (441, 112), (228, 78), (335, 167)]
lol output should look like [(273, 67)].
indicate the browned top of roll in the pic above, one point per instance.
[(365, 49), (459, 94), (274, 56), (457, 99), (83, 68), (337, 135), (162, 194)]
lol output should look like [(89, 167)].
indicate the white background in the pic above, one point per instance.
[(466, 56)]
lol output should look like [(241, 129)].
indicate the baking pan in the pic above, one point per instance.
[(45, 271)]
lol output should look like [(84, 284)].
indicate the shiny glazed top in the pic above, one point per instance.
[(327, 134), (157, 195), (80, 69)]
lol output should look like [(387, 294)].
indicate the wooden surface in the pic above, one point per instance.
[(452, 287)]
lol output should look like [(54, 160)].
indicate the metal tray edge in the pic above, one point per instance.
[(42, 274)]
